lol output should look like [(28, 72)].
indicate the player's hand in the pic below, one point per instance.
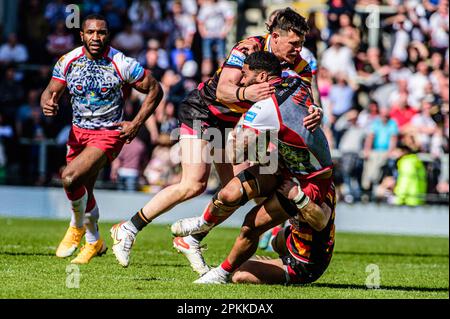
[(314, 119), (289, 189), (248, 46), (258, 92), (50, 108), (128, 130)]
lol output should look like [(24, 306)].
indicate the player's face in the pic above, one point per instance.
[(287, 45), (94, 37), (250, 77)]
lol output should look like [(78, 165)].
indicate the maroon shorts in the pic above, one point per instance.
[(106, 140)]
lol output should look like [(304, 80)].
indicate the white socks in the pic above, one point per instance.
[(78, 211), (91, 223), (128, 225)]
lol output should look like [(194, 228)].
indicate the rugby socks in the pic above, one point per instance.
[(78, 200), (137, 222), (208, 217), (226, 268), (91, 221)]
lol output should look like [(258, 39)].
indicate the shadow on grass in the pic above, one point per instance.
[(393, 254), (21, 253), (363, 287)]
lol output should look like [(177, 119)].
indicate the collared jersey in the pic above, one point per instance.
[(231, 112), (97, 87), (303, 153)]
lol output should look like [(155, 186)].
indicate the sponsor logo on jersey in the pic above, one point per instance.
[(236, 58), (250, 116)]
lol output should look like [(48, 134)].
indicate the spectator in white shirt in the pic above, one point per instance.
[(338, 58), (12, 51), (215, 19)]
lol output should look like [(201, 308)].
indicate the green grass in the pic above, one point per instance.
[(410, 267)]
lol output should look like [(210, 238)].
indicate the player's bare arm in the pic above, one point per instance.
[(148, 85), (238, 145), (50, 97), (229, 91), (316, 216)]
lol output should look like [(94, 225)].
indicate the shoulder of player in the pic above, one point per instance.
[(72, 55), (263, 105)]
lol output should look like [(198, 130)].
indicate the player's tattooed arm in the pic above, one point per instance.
[(154, 94), (50, 97)]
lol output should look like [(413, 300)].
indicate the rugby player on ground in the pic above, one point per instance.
[(98, 78)]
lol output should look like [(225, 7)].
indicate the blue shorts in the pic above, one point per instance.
[(207, 45)]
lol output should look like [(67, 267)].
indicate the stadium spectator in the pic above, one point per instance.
[(59, 42), (349, 34), (215, 20), (145, 16), (423, 126), (411, 182), (184, 23), (401, 112), (351, 147), (338, 58), (180, 55), (340, 102), (439, 28), (55, 11), (417, 83), (12, 51), (162, 57), (314, 36), (115, 12), (129, 41), (11, 94), (380, 142)]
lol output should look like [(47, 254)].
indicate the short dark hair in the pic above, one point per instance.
[(289, 20), (264, 61), (94, 17)]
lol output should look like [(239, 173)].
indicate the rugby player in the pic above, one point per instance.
[(218, 103), (306, 195), (98, 78)]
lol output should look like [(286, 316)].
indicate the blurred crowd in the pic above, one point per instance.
[(386, 104)]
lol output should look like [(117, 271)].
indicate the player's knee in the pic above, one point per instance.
[(69, 179), (191, 190), (231, 194)]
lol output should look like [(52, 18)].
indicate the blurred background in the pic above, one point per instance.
[(382, 71)]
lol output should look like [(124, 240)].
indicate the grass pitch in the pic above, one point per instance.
[(410, 267)]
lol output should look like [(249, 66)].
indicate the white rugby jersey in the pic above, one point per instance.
[(303, 153), (98, 87)]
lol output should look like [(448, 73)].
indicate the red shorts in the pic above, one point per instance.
[(106, 140)]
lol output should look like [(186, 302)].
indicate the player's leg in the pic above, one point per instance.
[(257, 221), (271, 271), (247, 185), (74, 177), (95, 245), (195, 172), (254, 271)]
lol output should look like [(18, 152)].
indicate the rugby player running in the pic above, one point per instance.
[(98, 78)]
